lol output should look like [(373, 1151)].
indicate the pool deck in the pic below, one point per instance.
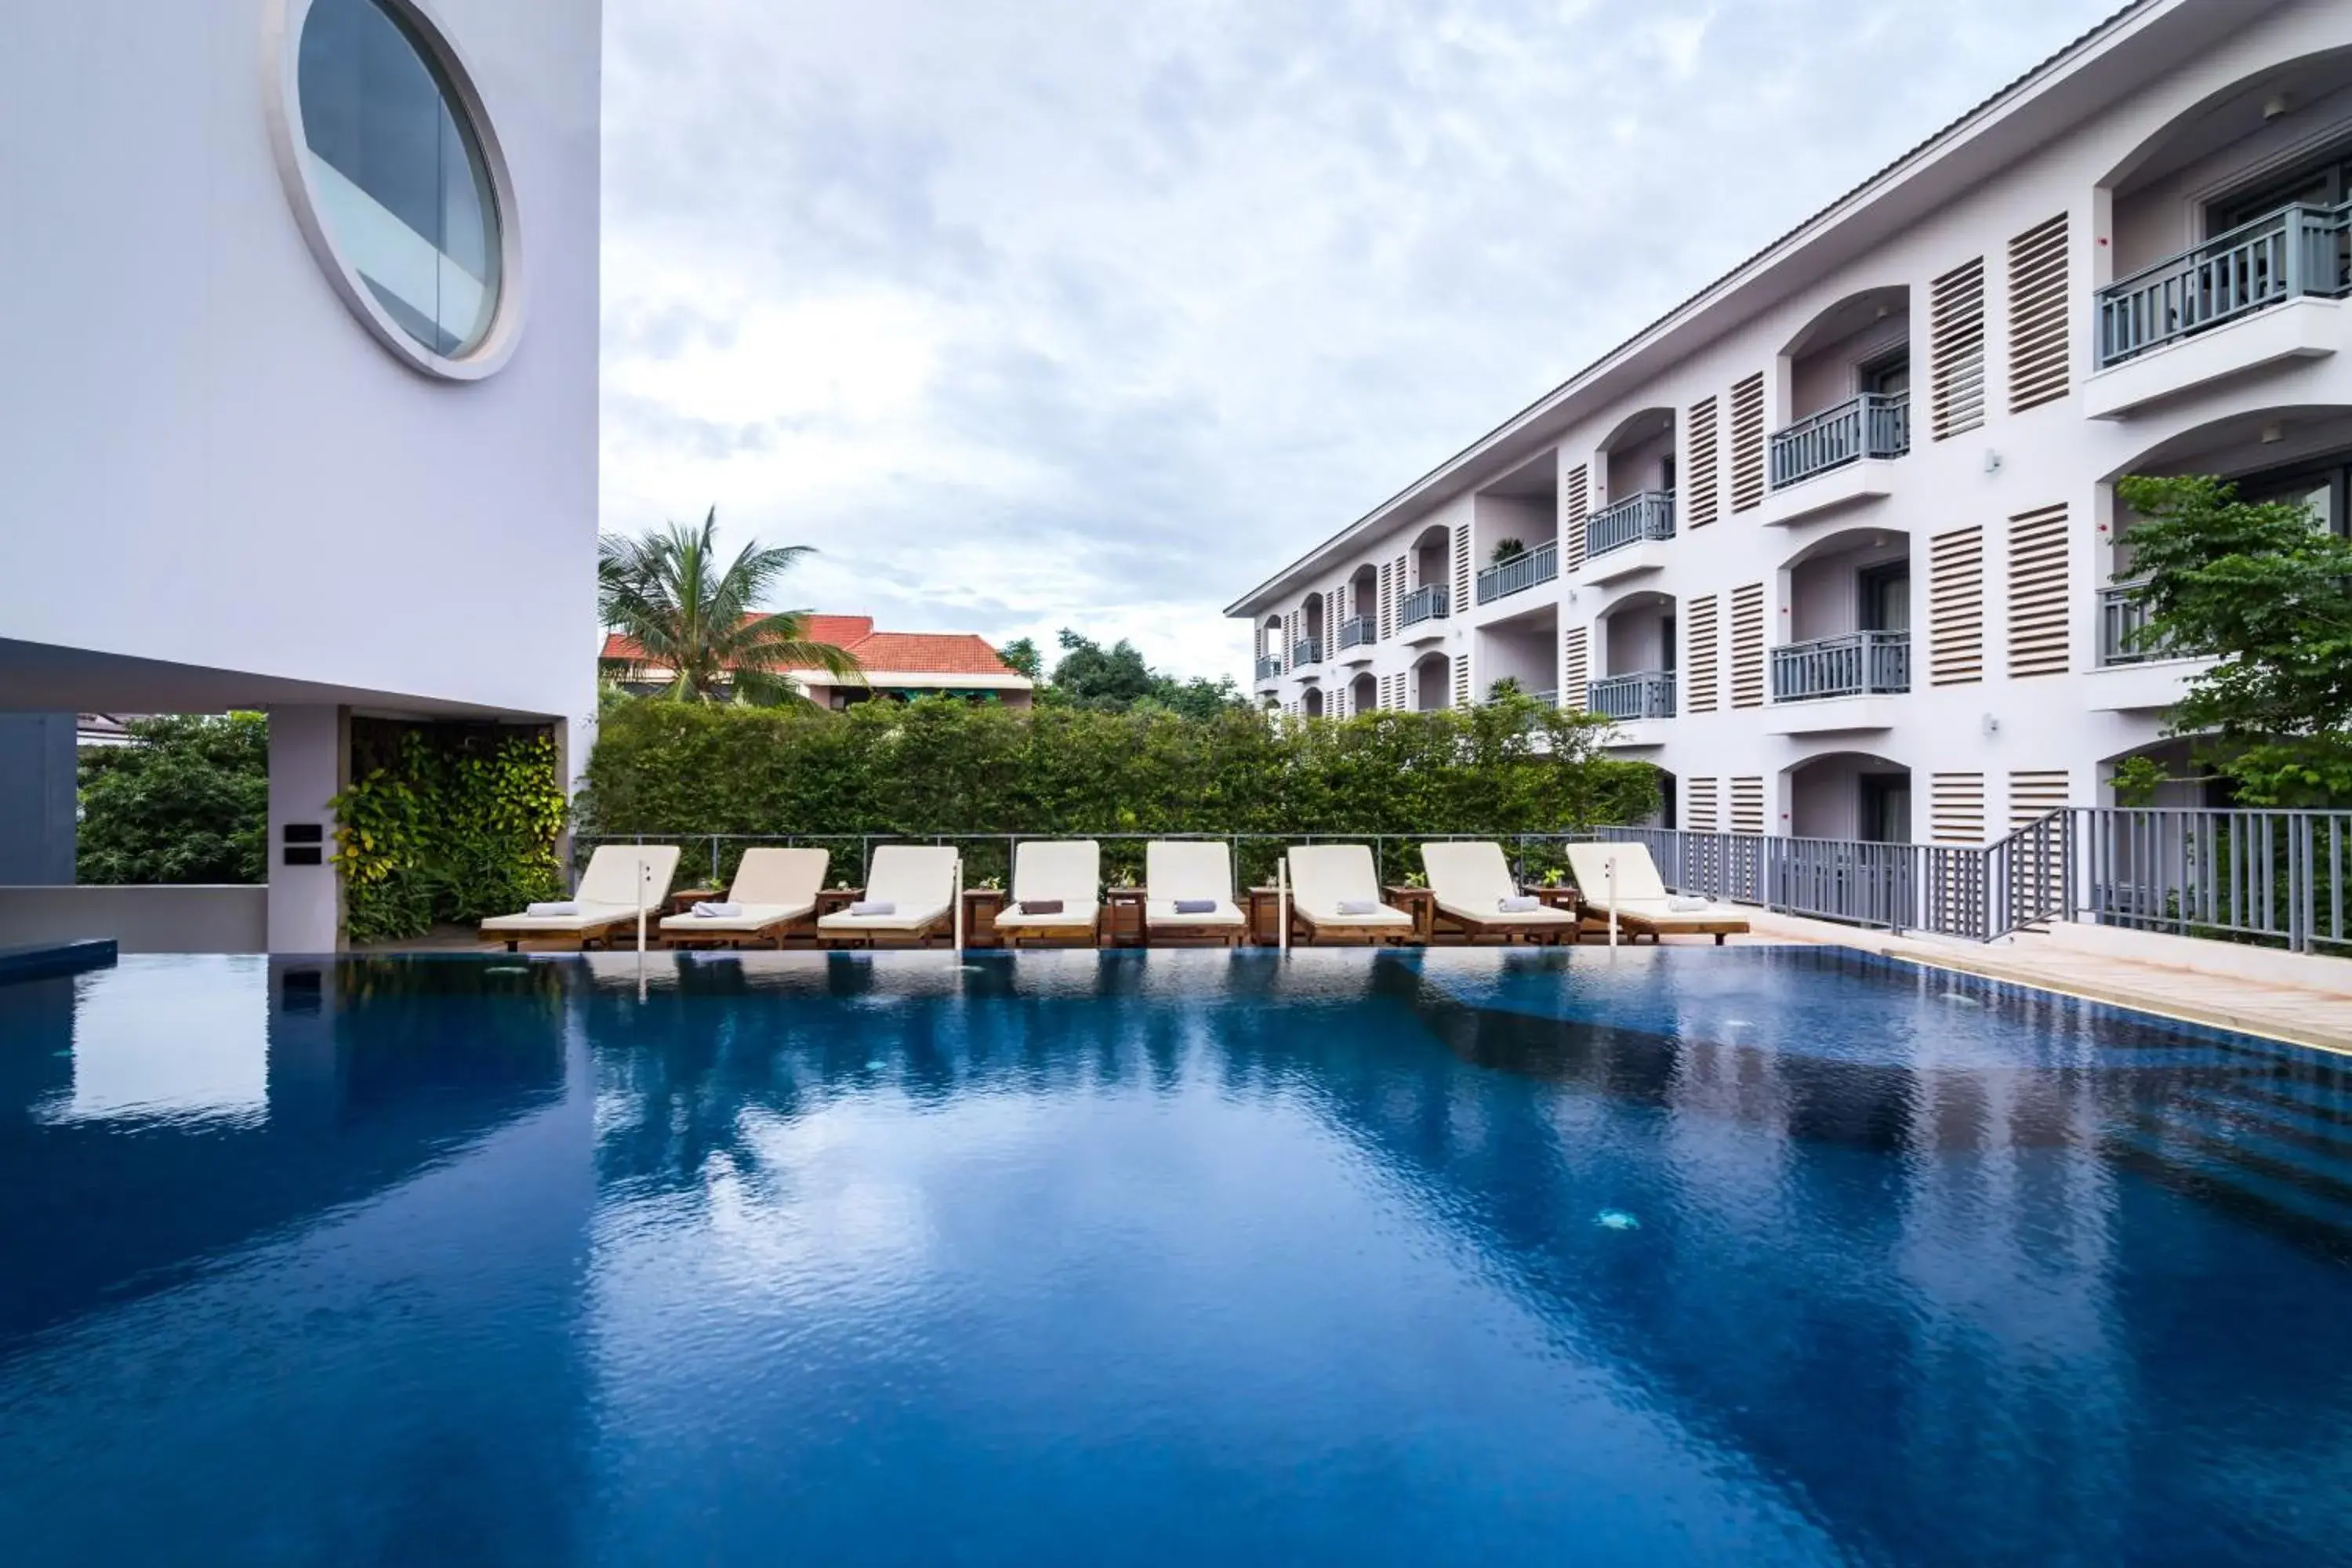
[(2316, 1014)]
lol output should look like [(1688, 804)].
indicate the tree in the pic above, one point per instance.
[(1021, 654), (2266, 590), (186, 801), (1115, 680), (691, 612)]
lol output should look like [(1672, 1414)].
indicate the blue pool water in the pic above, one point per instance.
[(1747, 1255)]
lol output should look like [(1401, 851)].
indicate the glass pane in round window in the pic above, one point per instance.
[(399, 174)]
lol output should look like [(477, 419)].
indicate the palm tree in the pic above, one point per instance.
[(690, 611)]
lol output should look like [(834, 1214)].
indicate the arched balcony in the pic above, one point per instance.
[(1848, 628), (2242, 204), (1270, 649), (1428, 601), (1360, 629), (1364, 693), (1635, 655), (1851, 795), (1307, 651), (1849, 387), (1634, 471), (1433, 683)]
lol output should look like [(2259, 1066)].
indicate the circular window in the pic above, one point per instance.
[(400, 184)]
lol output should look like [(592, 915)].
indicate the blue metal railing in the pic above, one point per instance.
[(1520, 572), (1428, 602), (2298, 251), (1359, 633), (1853, 665), (1649, 515), (2123, 628), (1649, 695), (1268, 667), (1875, 424), (1305, 651)]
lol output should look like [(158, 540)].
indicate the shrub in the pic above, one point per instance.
[(186, 801), (944, 766)]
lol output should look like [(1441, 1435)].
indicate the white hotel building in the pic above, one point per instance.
[(298, 404), (1835, 541)]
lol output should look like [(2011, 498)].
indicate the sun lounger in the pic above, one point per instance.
[(1470, 883), (621, 879), (1639, 897), (1191, 873), (919, 881), (1065, 872), (774, 894), (1335, 896)]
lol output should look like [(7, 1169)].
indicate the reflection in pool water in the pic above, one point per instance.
[(1738, 1255)]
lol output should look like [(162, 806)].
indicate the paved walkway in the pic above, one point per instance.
[(2302, 1016)]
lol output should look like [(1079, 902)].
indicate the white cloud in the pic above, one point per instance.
[(1071, 313)]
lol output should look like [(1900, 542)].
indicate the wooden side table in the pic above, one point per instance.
[(981, 907), (682, 901), (1123, 917), (1265, 911), (1418, 902)]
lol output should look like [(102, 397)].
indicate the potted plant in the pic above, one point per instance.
[(1507, 548)]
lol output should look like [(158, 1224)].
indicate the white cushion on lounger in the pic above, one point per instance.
[(620, 879), (1189, 870), (1641, 893), (1067, 869), (1470, 882), (1324, 875), (918, 878), (773, 885)]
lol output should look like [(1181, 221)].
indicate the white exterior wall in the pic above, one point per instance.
[(210, 460), (2074, 138)]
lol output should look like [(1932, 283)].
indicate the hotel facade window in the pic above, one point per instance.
[(400, 177)]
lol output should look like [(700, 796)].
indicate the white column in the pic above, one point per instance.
[(310, 762)]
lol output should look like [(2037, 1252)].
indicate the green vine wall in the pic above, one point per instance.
[(445, 823)]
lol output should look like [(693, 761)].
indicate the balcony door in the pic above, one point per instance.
[(2326, 183), (1885, 596), (1889, 375), (1885, 806)]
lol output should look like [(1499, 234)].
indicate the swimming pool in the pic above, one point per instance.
[(1744, 1256)]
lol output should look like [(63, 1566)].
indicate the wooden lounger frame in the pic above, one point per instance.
[(1304, 924), (1470, 928), (774, 931), (1080, 934), (1638, 926), (1222, 935), (577, 939)]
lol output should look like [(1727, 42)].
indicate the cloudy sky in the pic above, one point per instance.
[(1092, 312)]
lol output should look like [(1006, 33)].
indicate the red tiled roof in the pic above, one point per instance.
[(898, 653)]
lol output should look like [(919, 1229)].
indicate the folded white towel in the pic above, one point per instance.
[(716, 912), (1518, 904), (874, 907), (1196, 906), (1687, 906), (551, 911), (1359, 905)]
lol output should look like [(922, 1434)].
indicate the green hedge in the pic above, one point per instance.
[(944, 766)]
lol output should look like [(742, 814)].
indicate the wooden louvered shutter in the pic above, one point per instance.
[(1748, 444), (1387, 601), (2034, 793), (2040, 611), (1747, 805), (1747, 646), (1703, 652), (1575, 669), (2041, 368), (1701, 798), (1956, 608), (1290, 641), (1462, 571), (1957, 803), (1399, 587), (1955, 348), (1462, 680), (1699, 479), (1575, 502)]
